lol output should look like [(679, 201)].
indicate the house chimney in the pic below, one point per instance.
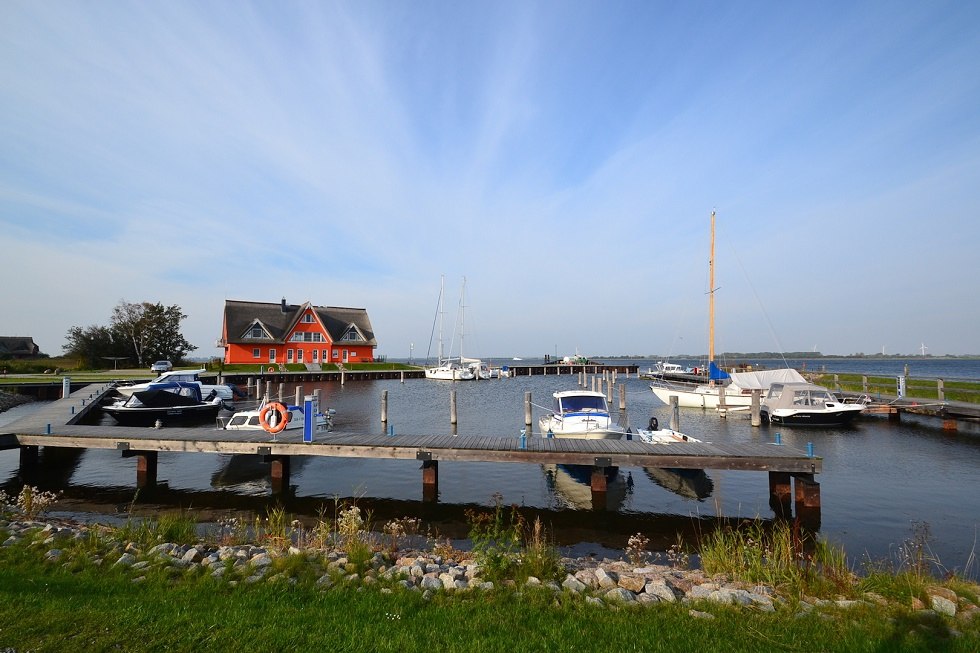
[(283, 307)]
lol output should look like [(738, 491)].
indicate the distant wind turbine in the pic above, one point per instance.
[(923, 348)]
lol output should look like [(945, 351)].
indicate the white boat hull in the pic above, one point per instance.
[(447, 373), (582, 429), (700, 397)]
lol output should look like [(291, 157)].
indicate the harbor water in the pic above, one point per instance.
[(882, 484)]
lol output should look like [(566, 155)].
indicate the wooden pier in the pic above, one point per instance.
[(56, 426)]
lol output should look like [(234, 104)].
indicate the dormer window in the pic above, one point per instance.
[(308, 318), (352, 335), (256, 331)]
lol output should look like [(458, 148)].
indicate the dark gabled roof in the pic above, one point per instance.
[(240, 315), (18, 346)]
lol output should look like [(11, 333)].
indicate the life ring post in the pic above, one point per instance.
[(273, 425)]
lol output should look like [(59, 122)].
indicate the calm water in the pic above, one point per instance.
[(878, 480)]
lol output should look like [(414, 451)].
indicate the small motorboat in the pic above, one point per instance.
[(179, 376), (251, 420), (806, 404), (169, 404), (580, 414), (656, 435)]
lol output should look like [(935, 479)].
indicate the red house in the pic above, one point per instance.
[(264, 333)]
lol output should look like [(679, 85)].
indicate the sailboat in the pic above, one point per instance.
[(735, 388), (449, 369)]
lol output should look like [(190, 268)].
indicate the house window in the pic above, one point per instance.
[(272, 355), (336, 354), (299, 355), (297, 337), (256, 352), (289, 355), (352, 335), (316, 355), (308, 318), (324, 355), (345, 355), (353, 354), (255, 332)]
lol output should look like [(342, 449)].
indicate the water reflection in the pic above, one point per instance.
[(688, 483)]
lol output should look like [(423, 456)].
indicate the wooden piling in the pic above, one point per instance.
[(384, 406), (757, 407), (622, 397), (675, 413), (146, 469), (452, 407), (430, 480), (807, 507), (279, 472), (282, 391), (299, 395), (527, 410), (781, 494)]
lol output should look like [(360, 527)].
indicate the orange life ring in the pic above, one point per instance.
[(283, 417), (271, 368)]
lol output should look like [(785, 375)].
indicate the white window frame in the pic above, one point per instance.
[(289, 355), (256, 352)]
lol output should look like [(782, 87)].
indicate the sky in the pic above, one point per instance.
[(563, 157)]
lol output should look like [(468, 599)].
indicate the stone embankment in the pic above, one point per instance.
[(599, 582), (9, 400)]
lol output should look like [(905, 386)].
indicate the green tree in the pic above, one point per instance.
[(151, 331), (92, 345)]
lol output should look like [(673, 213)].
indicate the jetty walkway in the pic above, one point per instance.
[(792, 485)]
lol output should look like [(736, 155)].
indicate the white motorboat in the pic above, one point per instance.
[(806, 404), (180, 376), (250, 420), (580, 414), (656, 435)]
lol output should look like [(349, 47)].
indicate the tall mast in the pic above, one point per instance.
[(711, 300), (442, 288)]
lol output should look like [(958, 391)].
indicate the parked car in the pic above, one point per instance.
[(161, 366)]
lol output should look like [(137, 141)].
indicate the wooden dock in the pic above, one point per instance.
[(56, 426)]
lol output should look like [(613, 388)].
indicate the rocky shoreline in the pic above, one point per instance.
[(9, 400), (605, 583)]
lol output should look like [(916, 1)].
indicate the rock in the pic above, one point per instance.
[(632, 582), (125, 560), (606, 579), (588, 578), (701, 615), (192, 555), (619, 595), (430, 583), (943, 605), (660, 590), (53, 555), (573, 584)]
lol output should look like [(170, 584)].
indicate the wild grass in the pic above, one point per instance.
[(507, 547), (783, 556)]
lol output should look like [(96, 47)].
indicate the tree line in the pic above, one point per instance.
[(140, 333)]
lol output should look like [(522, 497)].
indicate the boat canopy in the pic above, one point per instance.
[(796, 395), (762, 379), (715, 373)]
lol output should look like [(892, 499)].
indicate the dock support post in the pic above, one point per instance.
[(781, 494), (279, 471), (756, 407), (599, 488), (452, 407), (950, 425), (384, 406), (675, 413), (146, 469), (28, 462), (430, 480), (527, 410), (807, 501)]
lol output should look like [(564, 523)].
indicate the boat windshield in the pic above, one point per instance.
[(582, 403), (811, 397)]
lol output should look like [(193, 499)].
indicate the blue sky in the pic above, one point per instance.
[(563, 156)]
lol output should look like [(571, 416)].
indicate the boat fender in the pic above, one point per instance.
[(280, 423), (654, 424)]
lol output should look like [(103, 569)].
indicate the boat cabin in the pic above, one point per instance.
[(573, 402), (798, 395)]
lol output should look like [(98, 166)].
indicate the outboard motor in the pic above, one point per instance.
[(654, 424)]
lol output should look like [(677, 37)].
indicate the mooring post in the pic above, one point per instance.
[(384, 406), (622, 397), (675, 413), (781, 494), (452, 407), (721, 399), (756, 407), (282, 391), (299, 396), (146, 469), (864, 384), (28, 461), (527, 410), (609, 390), (941, 389), (430, 480), (807, 500), (599, 486), (403, 376), (279, 472)]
